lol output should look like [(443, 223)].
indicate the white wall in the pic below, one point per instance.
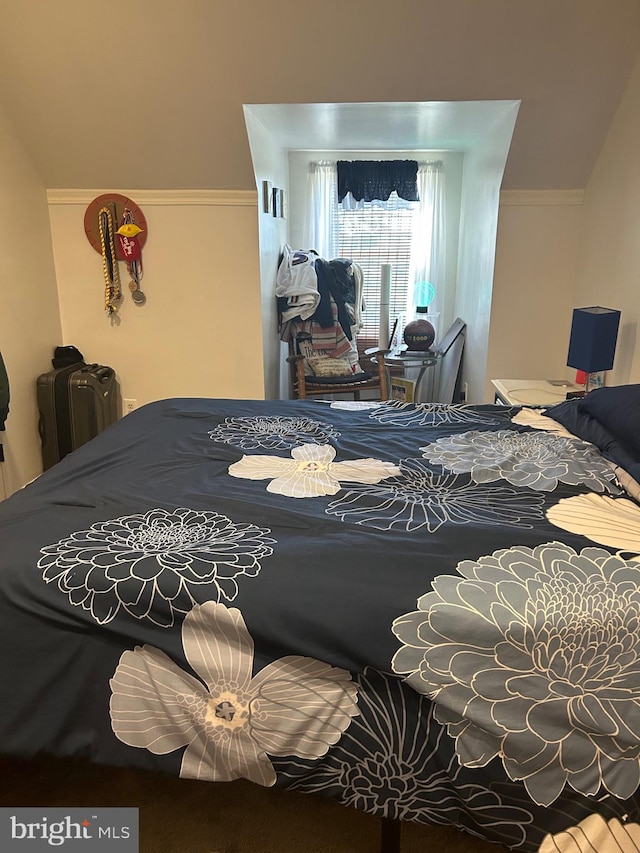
[(200, 332), (269, 164), (481, 179), (561, 250), (534, 279), (29, 317), (609, 257)]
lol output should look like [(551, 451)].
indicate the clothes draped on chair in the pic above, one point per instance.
[(320, 308), (297, 284), (334, 323)]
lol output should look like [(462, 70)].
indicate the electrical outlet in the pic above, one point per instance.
[(465, 392), (129, 405)]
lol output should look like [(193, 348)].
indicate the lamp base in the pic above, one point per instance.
[(584, 378)]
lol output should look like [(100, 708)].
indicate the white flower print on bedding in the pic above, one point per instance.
[(534, 656), (401, 414), (607, 521), (419, 498), (356, 405), (229, 720), (594, 834), (537, 460), (155, 565), (272, 432), (311, 471)]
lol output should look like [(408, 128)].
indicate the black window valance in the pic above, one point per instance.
[(367, 180)]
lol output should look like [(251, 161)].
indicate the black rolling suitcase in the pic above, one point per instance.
[(75, 403)]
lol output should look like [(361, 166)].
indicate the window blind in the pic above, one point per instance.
[(376, 234)]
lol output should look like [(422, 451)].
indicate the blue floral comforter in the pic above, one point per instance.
[(428, 612)]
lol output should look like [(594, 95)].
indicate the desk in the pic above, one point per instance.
[(531, 392)]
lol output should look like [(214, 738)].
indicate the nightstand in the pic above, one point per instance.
[(531, 392), (414, 365)]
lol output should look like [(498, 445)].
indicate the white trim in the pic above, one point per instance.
[(214, 198), (541, 197)]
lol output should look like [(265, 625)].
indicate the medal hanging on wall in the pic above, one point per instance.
[(131, 253), (116, 244)]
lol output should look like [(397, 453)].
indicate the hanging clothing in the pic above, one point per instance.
[(321, 340), (330, 331), (297, 284), (331, 295), (343, 274)]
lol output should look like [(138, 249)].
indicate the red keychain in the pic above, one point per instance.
[(129, 248)]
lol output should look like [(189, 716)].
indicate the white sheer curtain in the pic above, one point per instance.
[(321, 229), (428, 243), (429, 236)]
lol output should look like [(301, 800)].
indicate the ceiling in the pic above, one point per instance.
[(150, 94)]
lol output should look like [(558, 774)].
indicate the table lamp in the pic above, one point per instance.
[(592, 345)]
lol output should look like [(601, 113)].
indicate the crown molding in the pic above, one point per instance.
[(212, 198), (541, 197)]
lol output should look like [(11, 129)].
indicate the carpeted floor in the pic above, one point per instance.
[(183, 816)]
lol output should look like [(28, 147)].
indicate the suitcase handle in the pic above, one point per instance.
[(102, 374)]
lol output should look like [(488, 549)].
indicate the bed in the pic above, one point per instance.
[(427, 612)]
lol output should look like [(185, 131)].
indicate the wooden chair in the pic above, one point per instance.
[(304, 385)]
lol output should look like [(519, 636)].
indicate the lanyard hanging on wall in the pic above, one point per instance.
[(112, 290)]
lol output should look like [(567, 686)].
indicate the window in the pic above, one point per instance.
[(408, 235), (379, 233)]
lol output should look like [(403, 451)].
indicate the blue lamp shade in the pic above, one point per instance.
[(594, 334)]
